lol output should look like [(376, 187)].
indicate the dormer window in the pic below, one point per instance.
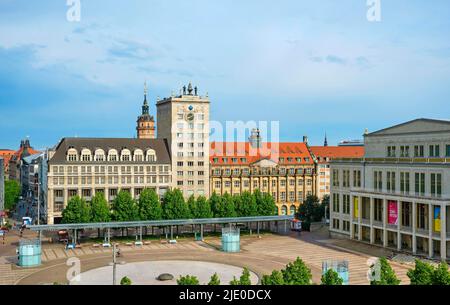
[(72, 155)]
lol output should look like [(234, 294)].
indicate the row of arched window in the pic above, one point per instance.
[(284, 210), (113, 155)]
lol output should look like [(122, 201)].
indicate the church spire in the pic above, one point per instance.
[(325, 143), (145, 108)]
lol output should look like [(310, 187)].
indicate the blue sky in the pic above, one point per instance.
[(315, 66)]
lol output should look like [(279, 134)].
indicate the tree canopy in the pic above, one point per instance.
[(12, 194), (174, 206), (100, 211), (386, 274), (331, 278), (188, 280), (124, 207), (77, 211), (149, 206)]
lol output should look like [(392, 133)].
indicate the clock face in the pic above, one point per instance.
[(190, 117)]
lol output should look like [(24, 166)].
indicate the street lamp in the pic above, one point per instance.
[(114, 263)]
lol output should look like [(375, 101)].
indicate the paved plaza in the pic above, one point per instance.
[(260, 255), (146, 273)]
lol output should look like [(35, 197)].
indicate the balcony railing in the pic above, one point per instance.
[(406, 228), (422, 231), (365, 221), (392, 226)]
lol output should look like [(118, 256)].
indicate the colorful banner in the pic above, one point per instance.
[(355, 207), (437, 219), (392, 212)]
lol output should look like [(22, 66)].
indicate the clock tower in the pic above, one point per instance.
[(184, 121), (145, 123)]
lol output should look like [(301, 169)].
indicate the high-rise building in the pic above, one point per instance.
[(398, 195), (184, 121), (145, 123)]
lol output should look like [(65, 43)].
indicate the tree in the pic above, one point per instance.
[(188, 280), (100, 209), (125, 281), (203, 208), (124, 207), (276, 278), (149, 205), (421, 274), (228, 206), (297, 273), (192, 204), (245, 205), (216, 204), (387, 275), (441, 275), (12, 193), (310, 211), (245, 277), (265, 204), (174, 206), (214, 281), (331, 278), (77, 211)]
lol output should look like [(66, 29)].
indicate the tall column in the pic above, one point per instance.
[(359, 218), (372, 214), (443, 232), (352, 210), (385, 220), (430, 231), (399, 226), (414, 227)]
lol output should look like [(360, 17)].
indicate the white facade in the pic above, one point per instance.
[(184, 121), (398, 195)]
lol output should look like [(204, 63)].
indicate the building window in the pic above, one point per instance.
[(447, 150), (420, 184), (404, 151), (346, 225), (346, 204), (357, 178), (391, 151), (335, 177), (418, 151), (291, 196), (404, 183), (217, 184), (378, 180), (336, 224), (434, 150), (346, 180), (436, 185), (390, 182), (336, 203)]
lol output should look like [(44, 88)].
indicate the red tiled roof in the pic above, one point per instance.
[(331, 152), (18, 154), (285, 153), (6, 154)]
